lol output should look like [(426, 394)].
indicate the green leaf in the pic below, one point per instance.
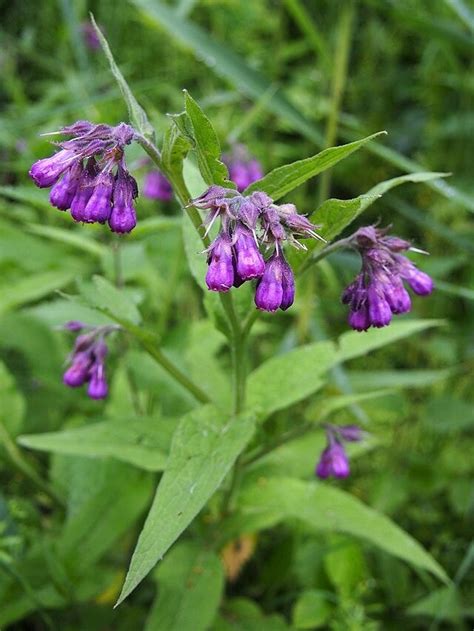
[(442, 604), (286, 379), (242, 614), (329, 509), (204, 448), (136, 113), (335, 214), (312, 610), (75, 239), (12, 409), (141, 442), (202, 135), (114, 302), (33, 287), (284, 179), (190, 584)]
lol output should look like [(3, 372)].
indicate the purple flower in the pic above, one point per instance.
[(243, 169), (87, 360), (220, 274), (122, 218), (333, 460), (250, 263), (96, 185), (90, 37), (378, 291), (156, 186), (249, 223), (275, 289)]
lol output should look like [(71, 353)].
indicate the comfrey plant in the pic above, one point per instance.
[(223, 437), (89, 175)]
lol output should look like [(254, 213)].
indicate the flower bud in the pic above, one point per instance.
[(250, 263), (220, 274), (99, 205), (333, 462)]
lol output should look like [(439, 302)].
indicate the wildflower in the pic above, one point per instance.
[(334, 460), (87, 360), (89, 36), (249, 223), (157, 186), (378, 292), (89, 175), (243, 169)]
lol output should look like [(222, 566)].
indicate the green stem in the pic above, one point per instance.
[(27, 469), (341, 60)]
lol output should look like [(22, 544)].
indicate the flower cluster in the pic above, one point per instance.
[(378, 290), (243, 169), (89, 175), (87, 360), (248, 222), (334, 460), (157, 186)]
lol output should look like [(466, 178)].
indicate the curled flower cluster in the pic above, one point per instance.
[(243, 168), (89, 175), (334, 460), (378, 290), (87, 360), (157, 186), (248, 222)]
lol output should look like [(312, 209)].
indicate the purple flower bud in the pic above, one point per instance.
[(380, 313), (333, 462), (47, 171), (359, 318), (269, 294), (209, 198), (156, 186), (288, 284), (78, 373), (255, 171), (351, 433), (99, 205), (250, 263), (421, 283), (83, 342), (248, 213), (220, 274), (98, 388), (74, 325), (294, 221), (396, 295), (261, 200), (123, 218), (395, 244), (366, 236), (63, 192), (90, 37)]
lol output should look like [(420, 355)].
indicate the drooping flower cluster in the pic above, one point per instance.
[(89, 175), (243, 168), (334, 460), (378, 291), (248, 222), (87, 360), (157, 186)]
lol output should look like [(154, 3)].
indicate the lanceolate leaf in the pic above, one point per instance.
[(136, 113), (201, 133), (204, 448), (141, 442), (321, 507), (284, 179)]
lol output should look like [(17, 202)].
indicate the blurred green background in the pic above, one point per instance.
[(286, 78)]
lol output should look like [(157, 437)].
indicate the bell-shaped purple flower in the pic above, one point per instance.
[(122, 217), (396, 295), (63, 192), (47, 171), (78, 372), (250, 263), (333, 462), (359, 319), (269, 294), (98, 388), (84, 191), (157, 186), (380, 313), (421, 283), (99, 205), (288, 285), (220, 273)]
